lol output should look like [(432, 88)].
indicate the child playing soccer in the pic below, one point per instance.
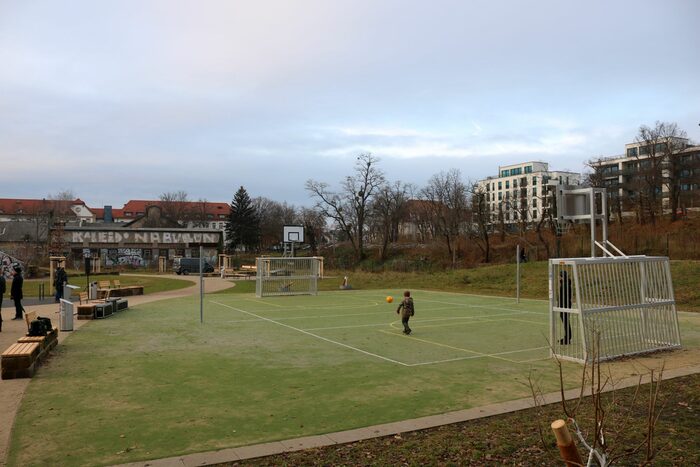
[(406, 309)]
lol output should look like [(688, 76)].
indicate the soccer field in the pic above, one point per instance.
[(154, 382), (446, 328)]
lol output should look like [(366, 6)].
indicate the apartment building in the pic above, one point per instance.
[(518, 192), (645, 175)]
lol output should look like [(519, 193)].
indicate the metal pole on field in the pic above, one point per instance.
[(201, 284), (517, 274)]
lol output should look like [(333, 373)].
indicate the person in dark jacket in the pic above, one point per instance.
[(60, 280), (407, 310), (3, 289), (16, 291), (564, 301)]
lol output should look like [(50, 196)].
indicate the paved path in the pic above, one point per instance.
[(12, 390)]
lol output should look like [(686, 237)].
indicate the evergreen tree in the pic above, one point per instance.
[(243, 226)]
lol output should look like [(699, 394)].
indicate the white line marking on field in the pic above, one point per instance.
[(312, 334), (488, 307), (287, 318), (478, 354)]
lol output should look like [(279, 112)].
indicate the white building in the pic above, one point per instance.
[(519, 191)]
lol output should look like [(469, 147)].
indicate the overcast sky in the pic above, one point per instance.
[(130, 99)]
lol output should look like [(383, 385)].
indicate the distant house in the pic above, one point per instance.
[(72, 211)]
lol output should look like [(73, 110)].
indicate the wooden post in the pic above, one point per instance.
[(565, 443)]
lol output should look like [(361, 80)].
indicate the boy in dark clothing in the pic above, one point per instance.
[(406, 309), (16, 291)]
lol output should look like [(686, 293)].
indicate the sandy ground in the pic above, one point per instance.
[(12, 390)]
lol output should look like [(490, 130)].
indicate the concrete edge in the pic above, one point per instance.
[(388, 429)]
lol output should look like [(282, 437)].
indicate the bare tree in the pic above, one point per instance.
[(314, 224), (388, 209), (349, 207), (481, 220), (659, 164), (446, 195), (273, 217), (176, 205)]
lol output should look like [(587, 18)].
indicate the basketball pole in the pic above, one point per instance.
[(201, 284), (517, 274)]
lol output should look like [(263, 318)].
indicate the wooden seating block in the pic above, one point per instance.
[(18, 360), (46, 342)]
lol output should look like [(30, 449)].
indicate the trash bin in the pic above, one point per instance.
[(67, 290), (92, 291), (65, 316)]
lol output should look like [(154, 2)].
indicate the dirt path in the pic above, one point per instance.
[(12, 390)]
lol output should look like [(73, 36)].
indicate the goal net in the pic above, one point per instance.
[(287, 276), (611, 307)]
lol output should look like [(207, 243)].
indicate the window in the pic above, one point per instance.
[(631, 152), (534, 180), (493, 186), (504, 173), (210, 216), (507, 184), (147, 254), (500, 196), (222, 216), (534, 203), (534, 215), (528, 169), (643, 150), (534, 192), (517, 171), (515, 184), (499, 185), (567, 180)]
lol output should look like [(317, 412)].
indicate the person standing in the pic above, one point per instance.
[(407, 310), (60, 281), (16, 290), (3, 288), (564, 301)]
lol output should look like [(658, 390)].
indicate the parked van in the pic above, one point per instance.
[(190, 265)]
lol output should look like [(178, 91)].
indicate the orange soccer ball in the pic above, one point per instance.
[(389, 299)]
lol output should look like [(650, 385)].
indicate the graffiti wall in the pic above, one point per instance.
[(123, 257), (6, 264)]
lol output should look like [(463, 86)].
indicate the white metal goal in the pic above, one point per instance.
[(611, 307), (287, 276)]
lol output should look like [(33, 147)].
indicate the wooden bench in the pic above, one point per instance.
[(20, 359), (103, 289)]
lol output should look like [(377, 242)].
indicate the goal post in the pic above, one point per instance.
[(287, 276), (611, 306)]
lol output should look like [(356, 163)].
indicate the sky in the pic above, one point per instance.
[(130, 99)]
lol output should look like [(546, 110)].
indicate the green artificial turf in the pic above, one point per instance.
[(154, 382)]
